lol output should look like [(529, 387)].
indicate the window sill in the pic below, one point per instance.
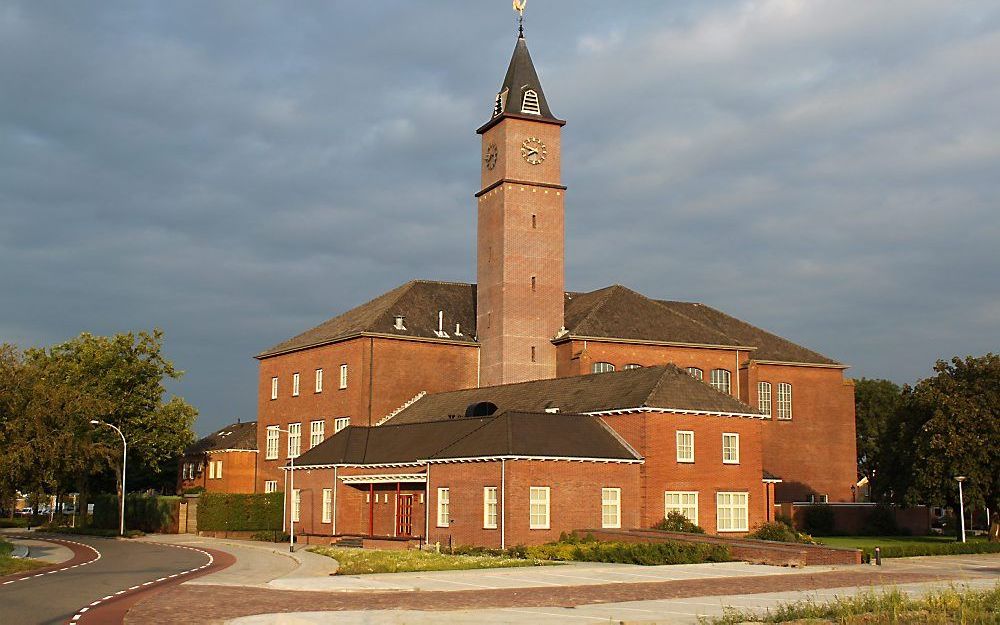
[(540, 528), (685, 462), (732, 462), (731, 531)]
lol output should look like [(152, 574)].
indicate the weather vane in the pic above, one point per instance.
[(519, 8)]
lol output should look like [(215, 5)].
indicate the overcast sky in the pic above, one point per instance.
[(237, 172)]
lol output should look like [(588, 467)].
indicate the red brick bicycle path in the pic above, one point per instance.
[(213, 604)]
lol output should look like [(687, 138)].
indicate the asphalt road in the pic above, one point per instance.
[(56, 597)]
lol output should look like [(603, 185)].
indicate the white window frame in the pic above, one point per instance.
[(444, 507), (611, 508), (602, 367), (297, 504), (274, 387), (734, 503), (539, 496), (734, 455), (687, 459), (340, 423), (317, 431), (271, 486), (327, 505), (295, 385), (764, 397), (211, 469), (273, 442), (785, 401), (294, 440), (696, 373), (688, 508), (491, 507), (721, 381), (631, 365), (319, 380), (343, 376)]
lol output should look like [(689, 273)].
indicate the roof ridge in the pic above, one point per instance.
[(659, 381), (659, 303), (604, 300), (455, 441), (760, 329)]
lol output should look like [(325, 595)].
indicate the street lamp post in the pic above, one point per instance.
[(291, 498), (961, 505), (121, 529)]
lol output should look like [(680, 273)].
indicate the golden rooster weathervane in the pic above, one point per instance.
[(519, 9)]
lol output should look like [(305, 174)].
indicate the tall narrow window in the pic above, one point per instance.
[(295, 385), (271, 486), (602, 367), (785, 401), (294, 440), (720, 380), (296, 504), (731, 448), (316, 433), (327, 505), (731, 512), (274, 387), (611, 507), (530, 103), (534, 221), (319, 380), (696, 373), (444, 501), (343, 376), (340, 423), (532, 283), (532, 353), (764, 397), (680, 501), (538, 508), (272, 442), (490, 507), (685, 446)]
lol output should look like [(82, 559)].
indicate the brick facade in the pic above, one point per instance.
[(239, 471)]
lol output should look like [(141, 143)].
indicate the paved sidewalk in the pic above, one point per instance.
[(42, 550)]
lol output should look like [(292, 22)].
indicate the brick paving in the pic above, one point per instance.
[(214, 604)]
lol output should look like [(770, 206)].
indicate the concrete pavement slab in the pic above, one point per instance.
[(52, 553)]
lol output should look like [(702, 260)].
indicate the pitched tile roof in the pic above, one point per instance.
[(506, 434), (666, 386), (233, 436), (418, 301)]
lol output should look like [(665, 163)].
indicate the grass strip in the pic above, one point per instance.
[(367, 561), (10, 565)]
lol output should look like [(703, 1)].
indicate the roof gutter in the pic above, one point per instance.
[(783, 363), (709, 413), (347, 337), (638, 460), (579, 337)]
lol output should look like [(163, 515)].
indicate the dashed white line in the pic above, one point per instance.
[(65, 568)]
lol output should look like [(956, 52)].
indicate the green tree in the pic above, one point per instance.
[(876, 403)]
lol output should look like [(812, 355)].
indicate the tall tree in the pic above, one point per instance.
[(876, 404)]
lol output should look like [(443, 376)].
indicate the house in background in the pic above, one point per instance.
[(225, 461)]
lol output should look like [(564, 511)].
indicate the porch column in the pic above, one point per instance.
[(395, 513)]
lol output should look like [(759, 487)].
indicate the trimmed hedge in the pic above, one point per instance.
[(240, 512), (932, 549), (649, 554), (149, 513), (818, 520)]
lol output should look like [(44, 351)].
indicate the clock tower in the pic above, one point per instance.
[(521, 231)]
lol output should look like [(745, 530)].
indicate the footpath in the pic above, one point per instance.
[(269, 585)]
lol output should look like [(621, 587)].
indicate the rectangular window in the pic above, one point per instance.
[(764, 397), (785, 401), (611, 507), (538, 508), (295, 385), (731, 512), (316, 430), (327, 505), (685, 446), (490, 507), (444, 499), (731, 448), (294, 440), (720, 380), (274, 388), (319, 380), (680, 501), (271, 486), (296, 504), (211, 469), (271, 453), (343, 376), (218, 470), (340, 423)]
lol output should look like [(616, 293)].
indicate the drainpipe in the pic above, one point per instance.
[(284, 505), (503, 503), (427, 506), (738, 377), (333, 531), (371, 508)]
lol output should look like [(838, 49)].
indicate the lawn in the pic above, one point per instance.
[(903, 546), (365, 561), (9, 565)]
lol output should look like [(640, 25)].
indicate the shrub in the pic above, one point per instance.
[(935, 549), (818, 520), (881, 522), (677, 522), (91, 531), (780, 532), (149, 513), (631, 553), (240, 512), (194, 490), (19, 522), (270, 536)]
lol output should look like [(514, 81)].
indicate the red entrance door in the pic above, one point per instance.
[(404, 516)]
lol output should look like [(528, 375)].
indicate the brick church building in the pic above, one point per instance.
[(507, 411)]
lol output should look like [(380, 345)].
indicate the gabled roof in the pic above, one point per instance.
[(418, 301), (241, 436), (507, 434), (665, 387)]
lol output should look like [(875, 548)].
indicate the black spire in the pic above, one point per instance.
[(521, 92)]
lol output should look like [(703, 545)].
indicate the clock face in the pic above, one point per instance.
[(490, 158), (533, 151)]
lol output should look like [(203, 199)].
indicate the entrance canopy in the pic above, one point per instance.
[(384, 478)]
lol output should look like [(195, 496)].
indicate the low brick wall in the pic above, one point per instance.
[(225, 534), (744, 549)]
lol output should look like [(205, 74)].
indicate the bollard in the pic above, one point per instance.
[(878, 556)]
